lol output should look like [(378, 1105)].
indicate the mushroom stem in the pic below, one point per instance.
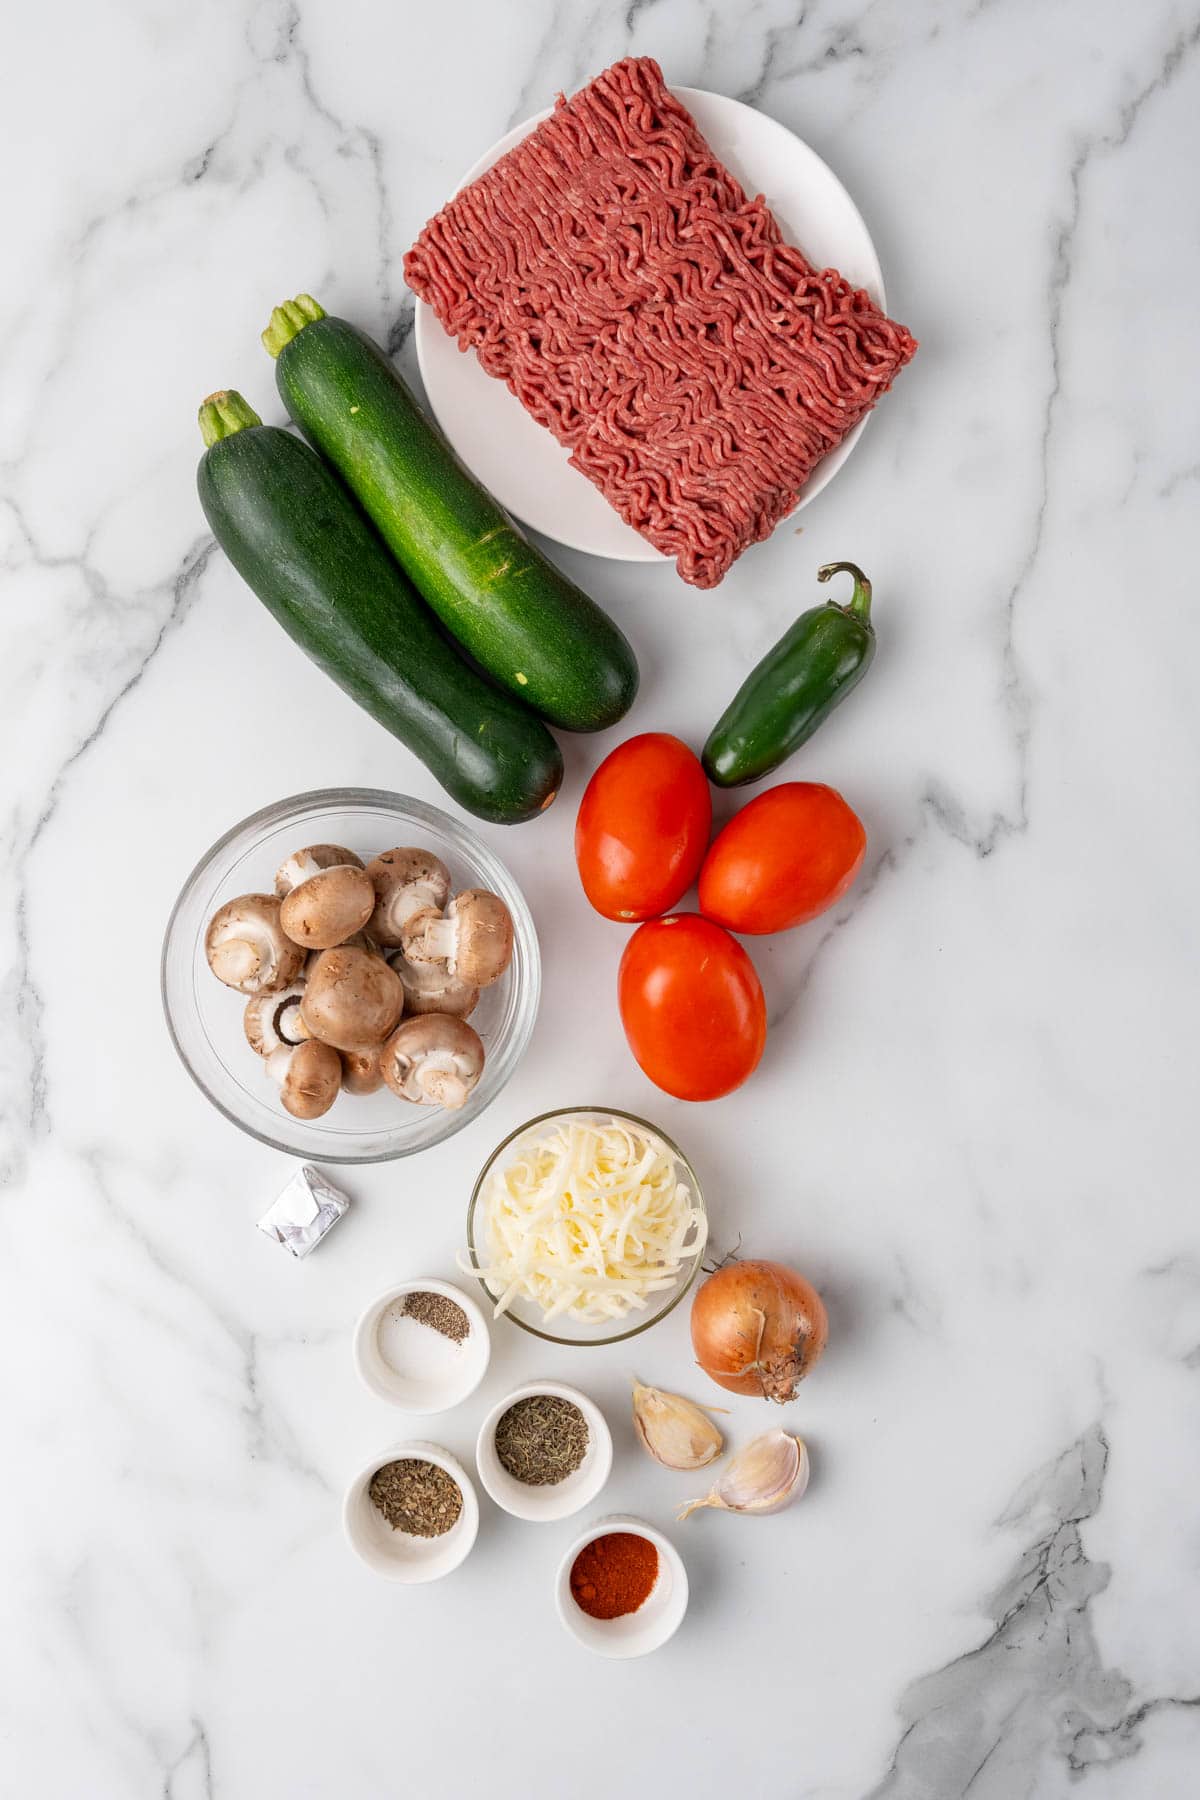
[(274, 1019), (407, 881), (438, 938), (430, 988), (247, 947), (443, 1083), (433, 1060)]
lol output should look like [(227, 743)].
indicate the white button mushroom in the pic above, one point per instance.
[(273, 1019), (352, 999), (434, 1060), (329, 907), (406, 881), (473, 938), (362, 1070), (309, 1076), (302, 865), (247, 947), (430, 987)]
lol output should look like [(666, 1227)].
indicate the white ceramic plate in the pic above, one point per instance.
[(516, 458)]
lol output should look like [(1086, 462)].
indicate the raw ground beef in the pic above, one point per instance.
[(614, 274)]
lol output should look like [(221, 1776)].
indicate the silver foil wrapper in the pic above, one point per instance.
[(307, 1208)]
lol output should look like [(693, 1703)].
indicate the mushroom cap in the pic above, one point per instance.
[(362, 1071), (273, 1019), (405, 880), (352, 999), (361, 940), (433, 1060), (247, 947), (309, 1077), (329, 907), (430, 987), (485, 936), (301, 865), (473, 937)]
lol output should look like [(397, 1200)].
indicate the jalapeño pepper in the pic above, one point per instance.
[(795, 687)]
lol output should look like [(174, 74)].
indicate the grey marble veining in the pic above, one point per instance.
[(973, 1126), (1035, 1701)]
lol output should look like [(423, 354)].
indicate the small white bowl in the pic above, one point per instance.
[(660, 1614), (558, 1500), (397, 1554), (436, 1373)]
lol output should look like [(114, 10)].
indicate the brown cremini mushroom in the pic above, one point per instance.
[(429, 987), (309, 1077), (352, 999), (406, 881), (302, 865), (247, 947), (473, 938), (329, 907), (362, 1071), (274, 1019), (434, 1060)]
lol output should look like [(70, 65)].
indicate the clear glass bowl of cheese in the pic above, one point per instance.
[(587, 1225)]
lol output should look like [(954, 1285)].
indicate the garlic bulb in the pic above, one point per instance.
[(769, 1473), (674, 1430)]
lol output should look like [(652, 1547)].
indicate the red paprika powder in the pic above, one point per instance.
[(614, 1574)]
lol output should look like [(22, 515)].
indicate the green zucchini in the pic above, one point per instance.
[(518, 616), (297, 538)]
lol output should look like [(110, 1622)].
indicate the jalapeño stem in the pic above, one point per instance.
[(860, 600)]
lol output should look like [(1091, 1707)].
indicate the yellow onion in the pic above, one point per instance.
[(758, 1328)]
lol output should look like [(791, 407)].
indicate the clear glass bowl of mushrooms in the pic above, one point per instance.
[(350, 975)]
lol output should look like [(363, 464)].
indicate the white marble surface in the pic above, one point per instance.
[(974, 1125)]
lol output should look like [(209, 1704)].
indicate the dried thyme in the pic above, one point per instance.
[(542, 1439), (417, 1497)]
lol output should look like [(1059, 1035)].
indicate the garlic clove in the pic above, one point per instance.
[(673, 1430), (767, 1475)]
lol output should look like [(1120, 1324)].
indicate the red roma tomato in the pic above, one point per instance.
[(692, 1007), (642, 828), (783, 859)]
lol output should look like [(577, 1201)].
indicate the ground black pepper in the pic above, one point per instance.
[(417, 1497), (438, 1310), (542, 1439)]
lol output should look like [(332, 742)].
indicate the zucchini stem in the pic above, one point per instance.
[(860, 600), (289, 319), (223, 414)]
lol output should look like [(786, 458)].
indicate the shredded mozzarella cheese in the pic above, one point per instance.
[(588, 1221)]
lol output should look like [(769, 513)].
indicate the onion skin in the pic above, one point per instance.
[(758, 1328)]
